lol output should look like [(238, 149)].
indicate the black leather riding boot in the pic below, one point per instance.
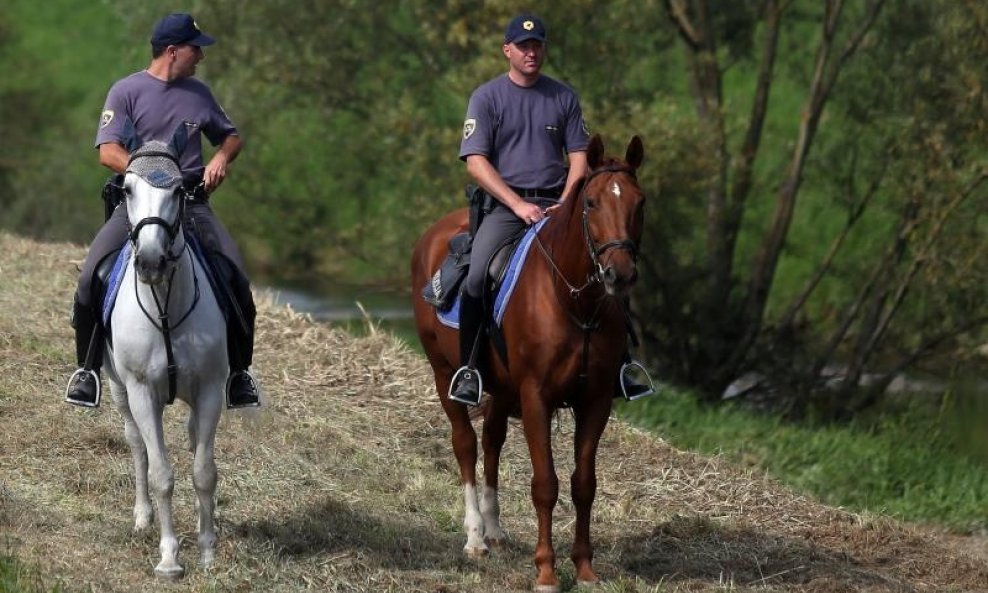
[(467, 385), (84, 385), (242, 390)]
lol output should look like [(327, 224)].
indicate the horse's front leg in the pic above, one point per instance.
[(495, 432), (464, 439), (209, 405), (591, 419), (143, 511), (545, 486), (147, 411)]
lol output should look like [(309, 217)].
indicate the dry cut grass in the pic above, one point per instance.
[(346, 482)]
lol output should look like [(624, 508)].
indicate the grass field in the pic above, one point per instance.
[(346, 482)]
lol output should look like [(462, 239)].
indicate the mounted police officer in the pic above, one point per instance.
[(524, 143), (152, 103)]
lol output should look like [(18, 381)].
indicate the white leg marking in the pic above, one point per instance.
[(473, 523)]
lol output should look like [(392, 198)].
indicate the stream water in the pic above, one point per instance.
[(337, 304)]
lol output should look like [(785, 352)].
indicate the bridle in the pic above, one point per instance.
[(162, 321), (594, 251), (592, 322), (172, 228), (597, 251)]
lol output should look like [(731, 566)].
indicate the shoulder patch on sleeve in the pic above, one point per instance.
[(469, 127), (106, 118)]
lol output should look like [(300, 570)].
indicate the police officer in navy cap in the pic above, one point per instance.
[(152, 103), (524, 143)]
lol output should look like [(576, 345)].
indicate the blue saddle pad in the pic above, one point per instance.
[(451, 317), (113, 282)]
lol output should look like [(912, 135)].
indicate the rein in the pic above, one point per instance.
[(163, 324), (173, 229), (596, 276)]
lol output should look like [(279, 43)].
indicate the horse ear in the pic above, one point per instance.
[(595, 152), (131, 140), (635, 153), (180, 139)]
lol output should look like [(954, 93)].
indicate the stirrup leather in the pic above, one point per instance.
[(633, 366), (77, 377), (466, 371)]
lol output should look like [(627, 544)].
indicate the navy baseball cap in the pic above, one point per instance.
[(524, 27), (179, 28)]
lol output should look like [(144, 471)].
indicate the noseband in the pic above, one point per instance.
[(171, 228), (596, 252)]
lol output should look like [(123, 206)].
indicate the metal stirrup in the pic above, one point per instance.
[(631, 366)]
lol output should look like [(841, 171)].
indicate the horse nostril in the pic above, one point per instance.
[(609, 274)]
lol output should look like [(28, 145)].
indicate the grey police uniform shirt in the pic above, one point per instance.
[(525, 132), (157, 108)]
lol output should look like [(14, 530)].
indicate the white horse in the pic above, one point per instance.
[(168, 339)]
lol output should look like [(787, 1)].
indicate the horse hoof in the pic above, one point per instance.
[(497, 542), (546, 589), (476, 551), (169, 573), (207, 558), (587, 585)]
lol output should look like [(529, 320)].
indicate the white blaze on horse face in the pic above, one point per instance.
[(616, 190)]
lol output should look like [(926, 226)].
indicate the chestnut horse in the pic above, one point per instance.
[(565, 330)]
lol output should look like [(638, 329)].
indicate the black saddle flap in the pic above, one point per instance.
[(440, 291)]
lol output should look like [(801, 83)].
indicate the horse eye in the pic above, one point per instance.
[(591, 203)]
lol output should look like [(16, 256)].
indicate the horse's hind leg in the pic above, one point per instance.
[(143, 511), (206, 417), (465, 448)]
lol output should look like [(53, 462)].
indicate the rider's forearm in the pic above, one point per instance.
[(577, 171), (229, 148), (113, 156)]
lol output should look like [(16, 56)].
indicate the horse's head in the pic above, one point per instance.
[(155, 203), (613, 205)]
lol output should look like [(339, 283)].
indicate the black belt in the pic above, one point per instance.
[(551, 193)]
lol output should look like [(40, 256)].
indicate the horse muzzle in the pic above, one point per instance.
[(619, 276), (151, 269)]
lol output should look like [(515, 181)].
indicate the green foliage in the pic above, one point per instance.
[(352, 119), (914, 464), (58, 63)]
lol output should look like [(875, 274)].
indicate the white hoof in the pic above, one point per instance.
[(171, 572), (207, 557), (476, 551), (546, 589)]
